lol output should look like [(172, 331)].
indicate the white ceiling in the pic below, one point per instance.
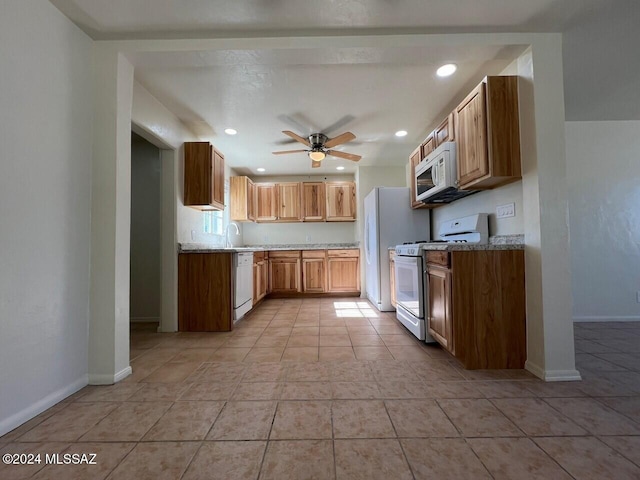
[(370, 91)]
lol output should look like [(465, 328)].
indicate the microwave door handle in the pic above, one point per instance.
[(434, 174)]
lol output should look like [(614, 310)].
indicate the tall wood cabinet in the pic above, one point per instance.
[(488, 135), (203, 176), (341, 201)]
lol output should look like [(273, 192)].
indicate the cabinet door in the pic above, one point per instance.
[(256, 283), (428, 146), (439, 318), (289, 196), (266, 202), (284, 275), (414, 160), (264, 279), (241, 192), (313, 201), (445, 131), (218, 179), (343, 274), (313, 275), (471, 137), (198, 174), (341, 201), (392, 277), (251, 201)]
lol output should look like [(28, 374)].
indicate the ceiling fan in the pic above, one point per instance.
[(320, 146)]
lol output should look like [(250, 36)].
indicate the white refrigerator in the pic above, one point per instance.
[(389, 221)]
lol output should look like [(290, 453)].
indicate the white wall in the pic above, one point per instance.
[(603, 179), (299, 233), (485, 202), (146, 170), (45, 197)]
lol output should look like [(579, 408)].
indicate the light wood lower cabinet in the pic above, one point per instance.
[(205, 292), (285, 272), (314, 271), (477, 306), (439, 319), (343, 270), (260, 276)]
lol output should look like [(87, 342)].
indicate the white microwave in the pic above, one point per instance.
[(436, 176)]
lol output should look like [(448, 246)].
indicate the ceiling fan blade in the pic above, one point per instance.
[(339, 140), (282, 152), (338, 124), (345, 155), (315, 164), (297, 137)]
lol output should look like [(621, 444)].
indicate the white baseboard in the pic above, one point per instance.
[(552, 375), (623, 318), (17, 419), (108, 378)]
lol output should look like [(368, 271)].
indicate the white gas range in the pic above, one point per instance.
[(411, 270)]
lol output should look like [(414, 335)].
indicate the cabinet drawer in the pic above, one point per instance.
[(314, 253), (354, 252), (258, 257), (439, 258), (284, 253)]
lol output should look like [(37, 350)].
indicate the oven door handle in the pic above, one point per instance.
[(407, 260)]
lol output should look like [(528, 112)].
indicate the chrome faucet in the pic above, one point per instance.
[(227, 243)]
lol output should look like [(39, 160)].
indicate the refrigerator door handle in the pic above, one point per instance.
[(367, 249)]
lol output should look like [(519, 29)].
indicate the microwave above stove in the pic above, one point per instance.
[(436, 176)]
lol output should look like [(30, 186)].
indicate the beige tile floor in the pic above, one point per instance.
[(331, 388)]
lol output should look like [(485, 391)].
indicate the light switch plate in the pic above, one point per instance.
[(504, 211)]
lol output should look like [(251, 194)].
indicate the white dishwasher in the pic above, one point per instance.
[(243, 284)]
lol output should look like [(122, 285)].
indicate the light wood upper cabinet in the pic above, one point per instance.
[(266, 202), (313, 201), (289, 202), (445, 131), (203, 176), (343, 270), (488, 135), (341, 201), (414, 160), (241, 199), (428, 146)]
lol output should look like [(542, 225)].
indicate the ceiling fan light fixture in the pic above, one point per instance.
[(446, 70), (317, 155)]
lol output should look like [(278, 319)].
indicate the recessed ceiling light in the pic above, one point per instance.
[(261, 169), (401, 133), (230, 131), (446, 70), (340, 168)]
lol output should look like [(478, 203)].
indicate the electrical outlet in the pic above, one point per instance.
[(265, 239), (193, 235), (504, 211), (308, 239)]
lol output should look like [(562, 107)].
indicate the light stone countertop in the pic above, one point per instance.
[(206, 248), (499, 242)]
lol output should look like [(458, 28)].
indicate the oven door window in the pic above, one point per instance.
[(426, 180), (409, 284)]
